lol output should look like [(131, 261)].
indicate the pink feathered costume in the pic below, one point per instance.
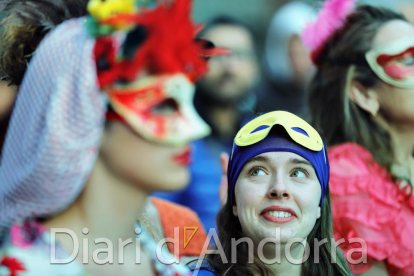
[(366, 203)]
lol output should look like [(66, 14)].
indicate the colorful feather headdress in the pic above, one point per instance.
[(162, 40), (331, 18)]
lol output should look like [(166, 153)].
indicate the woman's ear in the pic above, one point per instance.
[(235, 213), (319, 213), (365, 98)]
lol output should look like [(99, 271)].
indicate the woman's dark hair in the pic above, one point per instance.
[(229, 228), (341, 62), (25, 26)]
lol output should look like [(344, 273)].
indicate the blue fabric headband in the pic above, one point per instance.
[(277, 140)]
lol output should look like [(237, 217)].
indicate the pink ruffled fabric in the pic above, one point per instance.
[(366, 203)]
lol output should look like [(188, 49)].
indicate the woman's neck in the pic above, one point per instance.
[(108, 207), (403, 145), (286, 265), (402, 141)]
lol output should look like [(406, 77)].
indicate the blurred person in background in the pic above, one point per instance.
[(223, 98), (362, 99), (286, 61), (24, 24), (20, 34), (61, 152)]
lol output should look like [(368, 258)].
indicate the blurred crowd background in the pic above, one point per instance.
[(258, 13)]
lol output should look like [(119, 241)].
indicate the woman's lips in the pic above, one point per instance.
[(184, 158), (278, 214)]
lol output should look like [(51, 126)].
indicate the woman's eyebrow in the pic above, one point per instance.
[(300, 161), (257, 159)]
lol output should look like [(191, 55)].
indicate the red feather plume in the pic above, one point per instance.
[(169, 47)]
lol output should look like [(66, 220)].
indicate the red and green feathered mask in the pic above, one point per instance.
[(147, 66)]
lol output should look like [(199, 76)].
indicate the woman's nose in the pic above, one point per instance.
[(279, 190)]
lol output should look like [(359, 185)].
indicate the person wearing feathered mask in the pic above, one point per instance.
[(103, 117), (362, 99)]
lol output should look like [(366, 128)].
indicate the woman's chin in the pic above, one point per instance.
[(174, 181), (280, 233)]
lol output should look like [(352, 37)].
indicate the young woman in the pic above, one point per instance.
[(278, 177), (362, 99), (65, 166), (22, 30)]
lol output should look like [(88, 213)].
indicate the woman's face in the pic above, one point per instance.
[(150, 165), (277, 189), (396, 104), (150, 148)]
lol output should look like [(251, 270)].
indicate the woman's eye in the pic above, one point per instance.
[(166, 107), (257, 172), (298, 174), (407, 61)]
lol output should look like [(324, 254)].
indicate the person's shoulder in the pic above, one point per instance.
[(350, 160), (355, 177), (205, 269), (184, 213), (348, 151), (366, 203), (175, 216), (203, 272)]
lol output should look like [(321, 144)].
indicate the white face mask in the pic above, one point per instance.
[(394, 62), (160, 108)]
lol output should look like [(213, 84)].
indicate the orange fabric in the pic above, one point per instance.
[(174, 215)]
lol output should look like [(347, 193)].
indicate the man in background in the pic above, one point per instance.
[(224, 99)]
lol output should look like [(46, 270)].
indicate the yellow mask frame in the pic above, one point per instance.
[(248, 134)]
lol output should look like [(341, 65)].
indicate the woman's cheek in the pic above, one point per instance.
[(251, 195), (308, 201)]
